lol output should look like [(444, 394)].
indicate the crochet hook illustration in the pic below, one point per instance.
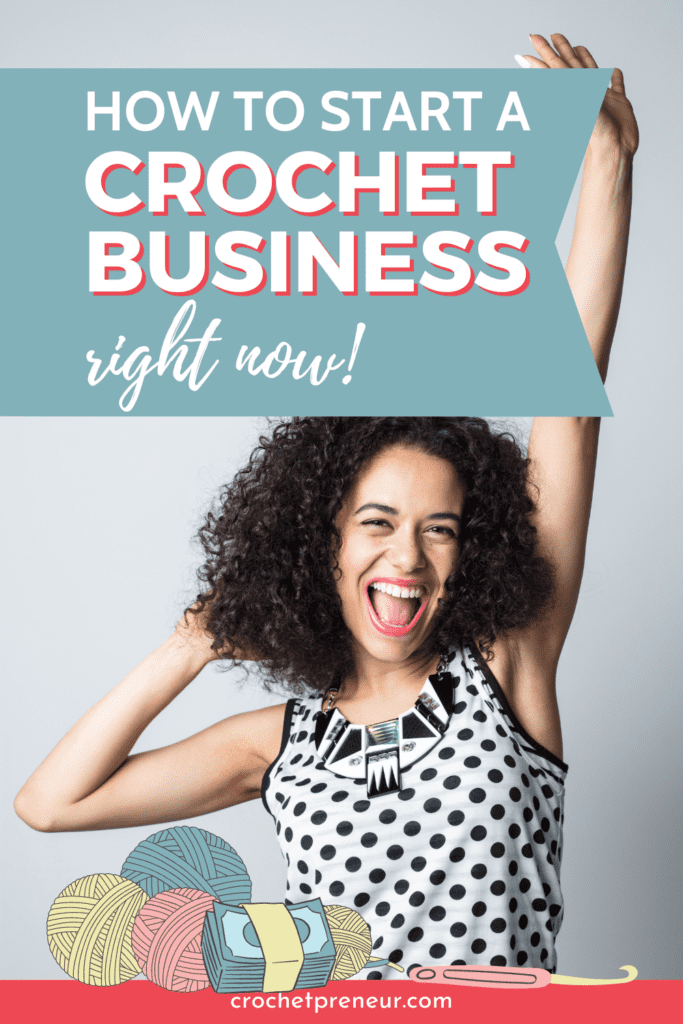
[(482, 976)]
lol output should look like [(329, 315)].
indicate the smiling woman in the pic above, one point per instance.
[(356, 559), (412, 581)]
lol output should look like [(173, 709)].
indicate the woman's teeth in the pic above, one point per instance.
[(394, 605), (389, 588)]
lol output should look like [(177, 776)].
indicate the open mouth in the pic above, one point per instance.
[(395, 606)]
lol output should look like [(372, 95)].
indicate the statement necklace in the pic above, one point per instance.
[(380, 753)]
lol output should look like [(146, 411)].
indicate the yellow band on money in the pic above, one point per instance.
[(280, 942)]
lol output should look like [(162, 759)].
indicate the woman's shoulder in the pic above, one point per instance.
[(265, 730), (257, 732)]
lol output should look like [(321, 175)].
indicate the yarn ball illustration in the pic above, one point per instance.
[(89, 929), (352, 941), (167, 939), (186, 857)]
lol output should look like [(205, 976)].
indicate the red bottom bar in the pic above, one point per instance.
[(69, 1002)]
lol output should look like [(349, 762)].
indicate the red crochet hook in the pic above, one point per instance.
[(482, 976)]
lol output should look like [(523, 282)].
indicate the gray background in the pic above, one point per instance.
[(96, 534)]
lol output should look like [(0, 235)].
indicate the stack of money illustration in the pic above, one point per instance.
[(267, 947)]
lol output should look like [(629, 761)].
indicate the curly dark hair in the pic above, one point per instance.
[(269, 584)]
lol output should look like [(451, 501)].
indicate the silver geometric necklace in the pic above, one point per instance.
[(380, 753)]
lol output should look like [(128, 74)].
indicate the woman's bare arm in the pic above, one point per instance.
[(563, 450), (89, 781)]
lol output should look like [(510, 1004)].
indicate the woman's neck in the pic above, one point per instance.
[(380, 691)]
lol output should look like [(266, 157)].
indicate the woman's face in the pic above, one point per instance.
[(399, 530)]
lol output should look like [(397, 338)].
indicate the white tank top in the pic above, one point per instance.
[(462, 866)]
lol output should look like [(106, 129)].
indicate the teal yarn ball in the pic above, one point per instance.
[(186, 857)]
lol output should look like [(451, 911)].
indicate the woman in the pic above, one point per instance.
[(417, 579)]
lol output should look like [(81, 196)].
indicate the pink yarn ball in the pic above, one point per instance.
[(167, 939)]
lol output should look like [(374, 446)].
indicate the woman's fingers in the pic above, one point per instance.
[(545, 51), (617, 82), (585, 57), (563, 55), (566, 50), (530, 62)]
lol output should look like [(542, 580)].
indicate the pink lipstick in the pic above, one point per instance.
[(387, 628)]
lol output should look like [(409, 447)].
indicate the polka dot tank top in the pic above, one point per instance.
[(462, 866)]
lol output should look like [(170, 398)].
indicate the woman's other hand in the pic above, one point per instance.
[(193, 629), (616, 126)]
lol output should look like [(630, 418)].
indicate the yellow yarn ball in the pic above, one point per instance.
[(89, 928), (352, 941)]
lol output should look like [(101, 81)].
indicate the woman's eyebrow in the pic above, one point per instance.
[(380, 508), (445, 515), (388, 510)]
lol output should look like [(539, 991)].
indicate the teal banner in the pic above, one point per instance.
[(207, 242)]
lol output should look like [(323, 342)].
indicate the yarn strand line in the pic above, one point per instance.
[(384, 963)]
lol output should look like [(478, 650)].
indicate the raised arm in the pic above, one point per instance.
[(89, 781), (563, 450)]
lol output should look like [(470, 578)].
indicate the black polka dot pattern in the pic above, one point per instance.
[(462, 866)]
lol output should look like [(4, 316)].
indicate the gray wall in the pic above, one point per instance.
[(95, 533)]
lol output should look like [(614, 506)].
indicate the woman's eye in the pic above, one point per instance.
[(444, 531), (375, 522)]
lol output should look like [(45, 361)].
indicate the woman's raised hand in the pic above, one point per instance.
[(616, 124)]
